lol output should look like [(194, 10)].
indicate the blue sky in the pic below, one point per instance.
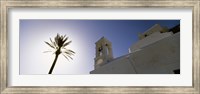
[(84, 34)]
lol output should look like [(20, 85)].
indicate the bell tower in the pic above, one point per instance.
[(104, 52)]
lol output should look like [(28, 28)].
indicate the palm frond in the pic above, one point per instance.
[(65, 39), (68, 56), (68, 53), (67, 43), (68, 50), (51, 40), (49, 44), (54, 44), (71, 51), (56, 39), (47, 51), (64, 36), (65, 57)]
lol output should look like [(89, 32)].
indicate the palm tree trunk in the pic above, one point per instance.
[(54, 63)]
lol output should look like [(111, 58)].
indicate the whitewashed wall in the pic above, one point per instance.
[(160, 57)]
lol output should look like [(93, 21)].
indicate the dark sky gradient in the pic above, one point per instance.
[(122, 33)]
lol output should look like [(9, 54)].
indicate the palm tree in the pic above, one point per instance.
[(59, 44)]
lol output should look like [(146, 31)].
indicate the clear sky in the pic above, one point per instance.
[(84, 34)]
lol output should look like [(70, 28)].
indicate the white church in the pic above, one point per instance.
[(156, 52)]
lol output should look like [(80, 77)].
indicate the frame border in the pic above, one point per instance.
[(5, 5)]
